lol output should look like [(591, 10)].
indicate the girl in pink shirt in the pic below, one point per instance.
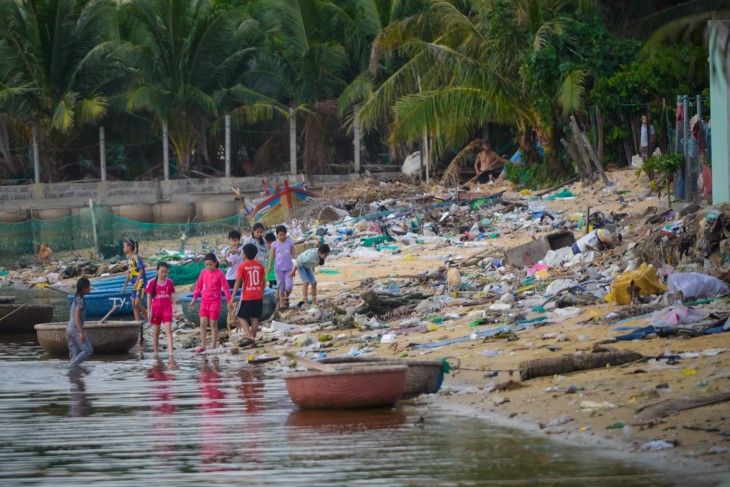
[(159, 303), (210, 283)]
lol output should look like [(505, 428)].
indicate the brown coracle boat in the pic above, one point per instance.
[(348, 387), (107, 338), (21, 318)]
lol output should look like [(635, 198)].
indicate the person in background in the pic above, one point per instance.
[(271, 273), (137, 277), (647, 138), (209, 286), (257, 239), (251, 279), (233, 256), (282, 254), (79, 345), (306, 262), (160, 293), (488, 164)]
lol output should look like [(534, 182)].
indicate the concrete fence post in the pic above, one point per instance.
[(356, 144), (102, 152), (228, 146), (36, 155), (292, 142), (165, 151)]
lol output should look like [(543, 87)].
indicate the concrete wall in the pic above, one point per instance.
[(76, 195), (720, 109)]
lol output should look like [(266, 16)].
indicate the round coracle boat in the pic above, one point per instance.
[(423, 376), (106, 338), (349, 387)]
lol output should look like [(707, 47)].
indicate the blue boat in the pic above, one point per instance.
[(99, 303)]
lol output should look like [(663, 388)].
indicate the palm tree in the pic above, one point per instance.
[(472, 62), (54, 68), (184, 57)]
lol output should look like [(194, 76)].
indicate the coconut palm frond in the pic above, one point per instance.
[(452, 174), (571, 91)]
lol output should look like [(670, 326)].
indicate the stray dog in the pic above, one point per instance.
[(44, 254)]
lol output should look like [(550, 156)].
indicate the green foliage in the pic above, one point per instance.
[(666, 165), (533, 176)]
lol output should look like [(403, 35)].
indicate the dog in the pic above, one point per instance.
[(44, 254)]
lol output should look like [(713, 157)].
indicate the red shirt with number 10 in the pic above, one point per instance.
[(252, 275)]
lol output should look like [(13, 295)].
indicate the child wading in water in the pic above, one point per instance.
[(210, 283), (79, 345), (250, 279), (306, 262), (234, 256), (138, 278), (282, 254), (159, 303), (269, 265)]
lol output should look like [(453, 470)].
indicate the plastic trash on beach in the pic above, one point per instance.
[(656, 445), (644, 277), (693, 285)]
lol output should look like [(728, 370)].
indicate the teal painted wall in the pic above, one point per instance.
[(719, 49)]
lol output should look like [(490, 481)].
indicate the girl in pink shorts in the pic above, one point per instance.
[(210, 283), (159, 303)]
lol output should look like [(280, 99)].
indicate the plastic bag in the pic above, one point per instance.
[(694, 285)]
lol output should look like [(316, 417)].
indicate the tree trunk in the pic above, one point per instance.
[(546, 135), (546, 367)]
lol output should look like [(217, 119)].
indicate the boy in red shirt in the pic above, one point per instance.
[(251, 278)]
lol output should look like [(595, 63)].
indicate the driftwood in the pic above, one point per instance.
[(557, 186), (665, 408), (381, 304), (544, 367)]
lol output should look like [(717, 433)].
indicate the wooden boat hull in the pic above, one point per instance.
[(351, 387), (192, 310), (98, 303), (422, 377), (280, 206), (107, 338), (24, 317)]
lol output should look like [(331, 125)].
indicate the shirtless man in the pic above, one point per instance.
[(488, 163)]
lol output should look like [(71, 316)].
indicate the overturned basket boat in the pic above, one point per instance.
[(106, 338), (422, 377), (191, 309), (21, 318), (7, 299), (349, 387)]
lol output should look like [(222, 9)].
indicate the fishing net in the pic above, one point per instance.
[(76, 232)]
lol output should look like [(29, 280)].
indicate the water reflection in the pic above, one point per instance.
[(163, 409), (80, 403), (213, 449)]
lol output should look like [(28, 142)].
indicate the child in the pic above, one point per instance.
[(257, 239), (234, 257), (250, 279), (159, 303), (282, 254), (79, 345), (307, 261), (209, 286), (270, 274), (138, 278)]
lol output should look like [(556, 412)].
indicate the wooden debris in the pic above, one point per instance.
[(546, 367), (665, 408)]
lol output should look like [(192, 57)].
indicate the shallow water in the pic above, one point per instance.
[(136, 421)]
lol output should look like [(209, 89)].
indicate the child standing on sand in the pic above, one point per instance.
[(234, 256), (257, 239), (136, 276), (269, 265), (79, 345), (159, 303), (282, 254), (209, 286), (250, 279), (306, 262)]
